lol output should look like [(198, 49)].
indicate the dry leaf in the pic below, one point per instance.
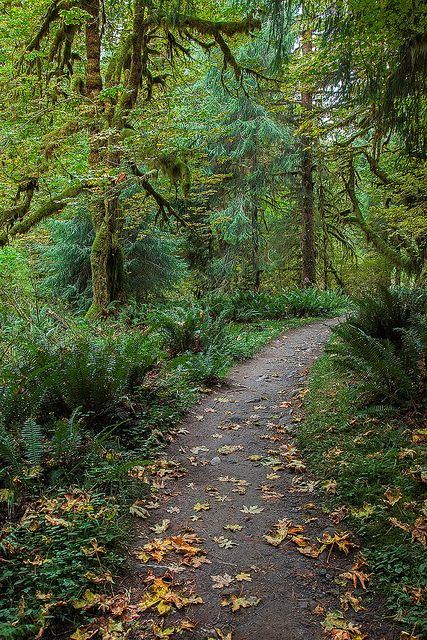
[(232, 527), (161, 528), (224, 543), (330, 486), (243, 577), (253, 509), (219, 582), (393, 495), (138, 511), (197, 450), (202, 506), (348, 599), (240, 602), (229, 448)]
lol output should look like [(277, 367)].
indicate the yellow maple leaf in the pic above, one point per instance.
[(202, 506)]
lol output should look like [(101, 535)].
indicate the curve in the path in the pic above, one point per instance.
[(243, 471)]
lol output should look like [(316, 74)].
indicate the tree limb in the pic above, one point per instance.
[(47, 209)]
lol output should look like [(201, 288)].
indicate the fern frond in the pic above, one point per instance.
[(32, 440)]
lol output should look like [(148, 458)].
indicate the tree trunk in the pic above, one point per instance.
[(308, 250), (255, 249), (107, 254)]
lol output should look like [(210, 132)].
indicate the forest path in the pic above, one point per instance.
[(253, 483)]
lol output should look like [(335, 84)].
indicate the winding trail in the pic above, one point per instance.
[(257, 480)]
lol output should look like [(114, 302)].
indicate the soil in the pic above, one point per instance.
[(254, 410)]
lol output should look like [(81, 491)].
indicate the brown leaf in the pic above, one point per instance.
[(393, 495)]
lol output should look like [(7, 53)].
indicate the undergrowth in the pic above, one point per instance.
[(371, 462), (84, 405)]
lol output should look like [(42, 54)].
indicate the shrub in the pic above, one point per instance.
[(58, 369), (385, 347), (250, 306), (189, 329)]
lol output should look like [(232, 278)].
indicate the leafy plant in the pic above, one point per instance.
[(32, 441), (385, 347), (188, 328)]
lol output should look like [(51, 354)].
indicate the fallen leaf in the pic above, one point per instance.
[(338, 514), (281, 530), (330, 486), (253, 509), (340, 540), (363, 512), (226, 449), (348, 599), (221, 635), (138, 511), (162, 527), (419, 531), (219, 582), (82, 634), (197, 450), (232, 527), (243, 577), (339, 629), (392, 496), (202, 506), (99, 578), (224, 543), (309, 551), (296, 465), (173, 510), (240, 602)]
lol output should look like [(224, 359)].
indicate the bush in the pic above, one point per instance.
[(385, 347), (58, 369), (189, 328), (250, 306)]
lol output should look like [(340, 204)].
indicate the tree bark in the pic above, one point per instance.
[(107, 253), (255, 249), (308, 249)]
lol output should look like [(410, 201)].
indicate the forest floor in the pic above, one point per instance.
[(200, 565)]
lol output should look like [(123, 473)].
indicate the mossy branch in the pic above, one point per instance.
[(165, 208), (47, 209), (205, 27)]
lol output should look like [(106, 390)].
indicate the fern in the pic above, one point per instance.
[(9, 631), (32, 440), (9, 454)]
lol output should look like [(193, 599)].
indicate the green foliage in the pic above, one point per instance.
[(68, 539), (248, 306), (32, 441), (16, 291), (59, 370), (189, 328), (152, 265), (385, 346), (374, 462)]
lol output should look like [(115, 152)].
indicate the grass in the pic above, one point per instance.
[(376, 462)]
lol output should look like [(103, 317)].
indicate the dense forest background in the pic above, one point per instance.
[(180, 181)]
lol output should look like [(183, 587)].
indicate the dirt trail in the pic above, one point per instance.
[(254, 482)]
